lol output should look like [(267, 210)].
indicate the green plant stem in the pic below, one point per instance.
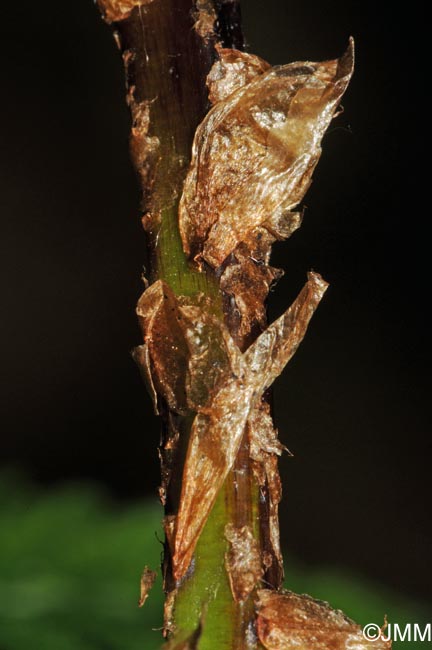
[(172, 266), (206, 594)]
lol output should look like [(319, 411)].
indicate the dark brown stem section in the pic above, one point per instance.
[(166, 64), (168, 50)]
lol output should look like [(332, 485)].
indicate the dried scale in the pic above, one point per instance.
[(224, 146)]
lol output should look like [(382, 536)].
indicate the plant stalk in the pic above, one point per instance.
[(167, 57), (218, 189)]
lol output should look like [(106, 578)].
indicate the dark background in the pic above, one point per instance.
[(351, 405)]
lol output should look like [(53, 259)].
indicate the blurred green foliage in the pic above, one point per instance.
[(70, 564)]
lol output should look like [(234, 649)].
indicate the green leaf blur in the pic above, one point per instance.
[(70, 565)]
